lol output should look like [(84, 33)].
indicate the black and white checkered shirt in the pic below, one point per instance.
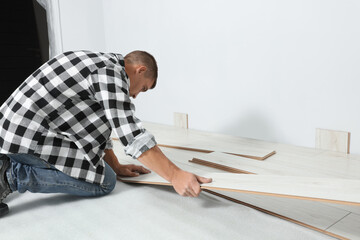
[(65, 111)]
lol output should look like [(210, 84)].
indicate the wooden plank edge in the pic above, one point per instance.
[(246, 156), (269, 155), (186, 148), (348, 145), (253, 157), (284, 196), (251, 192), (210, 151), (232, 170), (276, 215), (219, 166), (143, 182)]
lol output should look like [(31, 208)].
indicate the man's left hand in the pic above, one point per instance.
[(131, 170)]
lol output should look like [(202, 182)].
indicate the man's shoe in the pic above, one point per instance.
[(4, 186), (4, 209)]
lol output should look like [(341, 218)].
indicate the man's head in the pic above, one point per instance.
[(142, 71)]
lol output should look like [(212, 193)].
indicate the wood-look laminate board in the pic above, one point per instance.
[(218, 166), (342, 167), (269, 167), (313, 213), (175, 136), (172, 136), (181, 120), (332, 140), (308, 212), (180, 158), (343, 191), (293, 157), (210, 151), (349, 208), (276, 214), (297, 159), (349, 226), (280, 164)]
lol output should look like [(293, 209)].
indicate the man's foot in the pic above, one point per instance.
[(4, 186)]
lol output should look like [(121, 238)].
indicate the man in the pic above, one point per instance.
[(55, 128)]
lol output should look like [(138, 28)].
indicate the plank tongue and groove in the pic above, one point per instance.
[(342, 191), (204, 141)]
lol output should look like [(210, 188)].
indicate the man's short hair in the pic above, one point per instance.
[(146, 59)]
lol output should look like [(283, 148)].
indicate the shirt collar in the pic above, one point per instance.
[(122, 63)]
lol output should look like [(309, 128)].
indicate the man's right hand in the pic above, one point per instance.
[(184, 183), (188, 184)]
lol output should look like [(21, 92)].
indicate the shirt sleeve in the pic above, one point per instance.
[(111, 90), (109, 144)]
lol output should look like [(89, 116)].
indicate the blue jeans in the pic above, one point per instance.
[(30, 173)]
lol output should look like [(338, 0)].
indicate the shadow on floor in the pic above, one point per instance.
[(22, 202)]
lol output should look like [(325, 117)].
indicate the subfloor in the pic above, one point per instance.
[(141, 212)]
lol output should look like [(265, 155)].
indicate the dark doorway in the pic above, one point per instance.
[(20, 53)]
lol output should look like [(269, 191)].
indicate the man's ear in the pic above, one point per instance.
[(141, 69)]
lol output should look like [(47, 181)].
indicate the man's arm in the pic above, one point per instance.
[(185, 183), (128, 170)]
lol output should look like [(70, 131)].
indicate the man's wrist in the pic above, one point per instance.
[(174, 171)]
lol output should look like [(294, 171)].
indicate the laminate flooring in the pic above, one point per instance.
[(298, 161)]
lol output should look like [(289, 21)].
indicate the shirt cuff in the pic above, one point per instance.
[(109, 144), (140, 144)]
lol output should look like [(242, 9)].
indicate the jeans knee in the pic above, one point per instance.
[(109, 182)]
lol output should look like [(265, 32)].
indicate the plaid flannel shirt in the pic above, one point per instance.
[(65, 111)]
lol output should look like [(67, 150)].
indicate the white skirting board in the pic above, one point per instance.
[(342, 191)]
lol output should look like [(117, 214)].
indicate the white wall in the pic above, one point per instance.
[(272, 70), (82, 25)]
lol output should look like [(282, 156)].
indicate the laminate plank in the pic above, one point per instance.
[(283, 164), (299, 211), (308, 212), (349, 208), (348, 226), (188, 138), (210, 151), (316, 214), (181, 120), (343, 191), (275, 214), (218, 166), (300, 161), (332, 140)]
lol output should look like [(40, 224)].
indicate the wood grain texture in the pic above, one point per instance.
[(218, 166), (348, 226), (186, 148), (253, 157), (341, 191), (332, 140), (275, 214), (210, 151), (181, 120), (351, 231), (189, 138), (289, 160), (321, 165), (311, 213)]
